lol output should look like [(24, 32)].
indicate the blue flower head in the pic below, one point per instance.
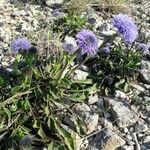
[(143, 47), (106, 48), (126, 27), (20, 44), (87, 42)]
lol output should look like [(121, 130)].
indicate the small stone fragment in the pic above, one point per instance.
[(106, 140)]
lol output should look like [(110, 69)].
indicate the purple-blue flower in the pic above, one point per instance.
[(68, 47), (106, 49), (126, 27), (57, 13), (143, 47), (87, 42), (20, 44)]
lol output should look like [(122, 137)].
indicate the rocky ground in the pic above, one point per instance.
[(119, 122)]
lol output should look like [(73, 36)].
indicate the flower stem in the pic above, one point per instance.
[(76, 67)]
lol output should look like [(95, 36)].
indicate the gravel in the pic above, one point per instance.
[(100, 113)]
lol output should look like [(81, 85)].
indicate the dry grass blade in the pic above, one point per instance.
[(77, 6), (115, 6), (46, 41)]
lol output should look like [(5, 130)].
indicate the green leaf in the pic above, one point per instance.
[(119, 83), (90, 89), (87, 81), (55, 146), (1, 81), (126, 87), (7, 111), (51, 146), (47, 110), (69, 141), (36, 124), (77, 97), (41, 132)]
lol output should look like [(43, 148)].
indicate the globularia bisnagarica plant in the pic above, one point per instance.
[(40, 91), (70, 24), (117, 63)]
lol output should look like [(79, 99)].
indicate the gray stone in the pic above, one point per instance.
[(100, 103), (80, 75), (129, 137), (143, 147), (137, 145), (121, 112), (148, 120), (145, 72), (145, 76), (140, 126), (71, 43), (90, 118), (120, 94), (147, 86), (106, 140), (106, 123), (147, 140), (93, 98), (125, 130), (105, 29), (131, 143), (54, 2), (126, 147), (140, 136), (138, 87)]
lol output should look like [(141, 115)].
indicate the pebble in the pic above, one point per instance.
[(121, 112), (147, 140), (93, 98), (90, 118), (140, 126), (125, 130)]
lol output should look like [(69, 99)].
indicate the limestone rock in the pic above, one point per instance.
[(106, 140), (121, 112), (90, 118), (54, 2)]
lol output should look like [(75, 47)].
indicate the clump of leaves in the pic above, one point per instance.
[(39, 93), (70, 24), (116, 69)]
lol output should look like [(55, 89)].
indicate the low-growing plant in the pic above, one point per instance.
[(39, 92), (116, 69), (70, 24), (117, 63)]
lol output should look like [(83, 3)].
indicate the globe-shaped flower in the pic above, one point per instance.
[(106, 50), (143, 47), (126, 27), (20, 44), (87, 42)]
